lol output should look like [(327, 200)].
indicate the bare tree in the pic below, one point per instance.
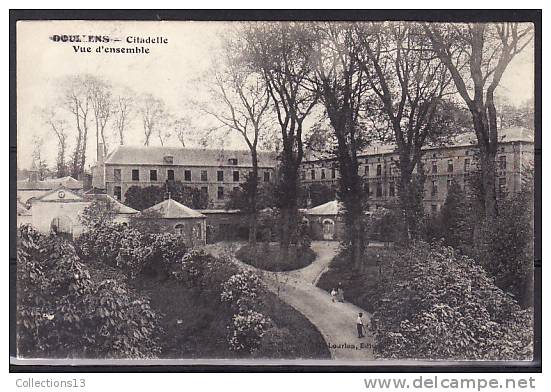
[(152, 111), (343, 87), (487, 50), (38, 144), (76, 98), (281, 53), (59, 128), (102, 108), (410, 84), (123, 112), (181, 127), (240, 102)]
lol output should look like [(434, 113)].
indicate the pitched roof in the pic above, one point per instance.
[(333, 207), (118, 207), (507, 135), (60, 194), (49, 184), (171, 209), (153, 155)]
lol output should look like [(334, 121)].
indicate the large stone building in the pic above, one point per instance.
[(443, 164), (215, 172)]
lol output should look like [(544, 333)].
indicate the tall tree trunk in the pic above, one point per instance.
[(289, 205), (254, 192)]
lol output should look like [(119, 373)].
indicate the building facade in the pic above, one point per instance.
[(442, 165), (215, 172)]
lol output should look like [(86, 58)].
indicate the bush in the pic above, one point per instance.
[(243, 292), (267, 257), (441, 305), (63, 312)]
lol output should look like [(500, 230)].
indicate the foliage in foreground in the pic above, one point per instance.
[(64, 312), (437, 304)]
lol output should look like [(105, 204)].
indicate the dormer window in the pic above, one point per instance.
[(169, 159), (232, 161)]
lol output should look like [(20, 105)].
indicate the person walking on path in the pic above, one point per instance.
[(360, 325), (333, 295), (340, 293)]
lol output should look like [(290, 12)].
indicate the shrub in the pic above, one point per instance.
[(63, 312), (247, 329), (441, 305), (242, 291)]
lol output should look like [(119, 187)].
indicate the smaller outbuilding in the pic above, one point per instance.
[(326, 221), (177, 218)]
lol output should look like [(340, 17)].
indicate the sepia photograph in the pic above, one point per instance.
[(275, 192)]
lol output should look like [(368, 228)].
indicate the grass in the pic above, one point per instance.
[(267, 257), (362, 288), (194, 324)]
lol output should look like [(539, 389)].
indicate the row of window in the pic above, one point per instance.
[(153, 175), (502, 165)]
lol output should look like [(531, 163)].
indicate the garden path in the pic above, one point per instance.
[(335, 321)]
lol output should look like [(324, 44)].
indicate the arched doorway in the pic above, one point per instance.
[(62, 225), (328, 229), (180, 229)]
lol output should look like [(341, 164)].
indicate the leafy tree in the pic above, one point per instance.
[(141, 198), (64, 311), (97, 212), (316, 194), (281, 53), (441, 305), (456, 221), (477, 55)]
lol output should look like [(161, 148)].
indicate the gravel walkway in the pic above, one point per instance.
[(335, 321)]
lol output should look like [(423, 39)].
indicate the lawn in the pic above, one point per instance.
[(194, 325), (361, 288), (267, 257)]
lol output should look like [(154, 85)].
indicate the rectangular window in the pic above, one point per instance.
[(434, 167), (235, 176), (434, 190), (379, 170), (366, 189), (220, 192), (266, 176), (117, 174), (467, 165), (204, 175), (205, 191), (502, 162), (117, 193), (303, 175), (502, 182), (366, 170), (313, 174), (434, 208), (135, 175), (153, 175), (232, 161), (450, 165), (220, 175), (449, 183), (391, 190), (170, 175), (379, 189), (323, 174), (187, 175), (333, 173)]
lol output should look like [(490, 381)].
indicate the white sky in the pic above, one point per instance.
[(168, 72)]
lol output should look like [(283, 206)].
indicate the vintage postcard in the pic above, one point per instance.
[(275, 192)]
